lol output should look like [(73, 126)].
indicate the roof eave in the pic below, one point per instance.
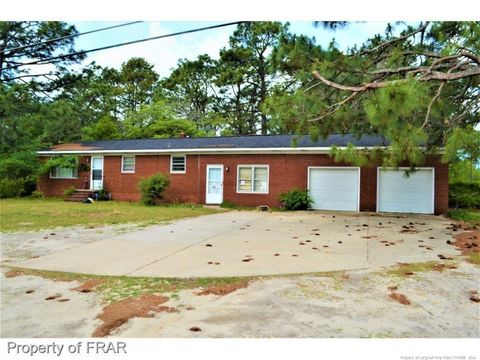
[(320, 150), (287, 150)]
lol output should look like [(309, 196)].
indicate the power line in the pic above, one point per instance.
[(68, 37), (44, 93), (45, 61)]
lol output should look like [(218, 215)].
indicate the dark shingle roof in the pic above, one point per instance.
[(223, 142)]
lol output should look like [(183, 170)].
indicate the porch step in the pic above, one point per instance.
[(79, 195)]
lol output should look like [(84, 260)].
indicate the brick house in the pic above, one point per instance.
[(250, 170)]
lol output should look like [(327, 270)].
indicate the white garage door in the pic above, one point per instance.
[(334, 188), (397, 193)]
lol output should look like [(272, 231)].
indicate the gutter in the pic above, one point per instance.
[(284, 150)]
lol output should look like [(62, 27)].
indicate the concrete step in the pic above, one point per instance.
[(79, 195)]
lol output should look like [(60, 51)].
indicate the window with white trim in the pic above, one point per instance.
[(252, 179), (128, 163), (178, 164), (63, 173)]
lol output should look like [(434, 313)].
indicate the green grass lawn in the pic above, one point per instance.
[(32, 214), (471, 216)]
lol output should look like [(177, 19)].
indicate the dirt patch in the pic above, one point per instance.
[(87, 286), (13, 273), (440, 267), (222, 290), (117, 314), (402, 299), (467, 242), (461, 226)]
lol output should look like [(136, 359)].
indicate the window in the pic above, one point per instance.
[(252, 179), (63, 173), (178, 164), (128, 164)]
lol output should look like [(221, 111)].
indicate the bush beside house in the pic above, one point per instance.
[(464, 195), (296, 199), (153, 187)]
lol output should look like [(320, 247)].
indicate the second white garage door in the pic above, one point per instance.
[(413, 194), (334, 188)]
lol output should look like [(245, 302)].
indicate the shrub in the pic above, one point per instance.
[(37, 195), (11, 187), (470, 216), (70, 162), (464, 195), (18, 169), (103, 195), (228, 205), (153, 187), (296, 199), (69, 191)]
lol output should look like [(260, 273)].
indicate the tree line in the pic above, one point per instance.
[(418, 87)]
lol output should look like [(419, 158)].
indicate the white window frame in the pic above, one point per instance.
[(171, 164), (74, 174), (134, 164), (253, 166)]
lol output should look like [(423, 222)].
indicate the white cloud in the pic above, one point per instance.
[(165, 53)]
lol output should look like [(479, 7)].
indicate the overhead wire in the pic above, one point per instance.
[(68, 37), (46, 61)]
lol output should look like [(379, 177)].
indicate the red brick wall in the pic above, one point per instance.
[(286, 172), (56, 187), (441, 184), (368, 188), (183, 187)]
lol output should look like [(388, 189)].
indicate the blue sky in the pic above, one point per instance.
[(164, 53)]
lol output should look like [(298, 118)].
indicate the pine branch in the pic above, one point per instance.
[(338, 86), (437, 75), (409, 69), (429, 110), (422, 28), (428, 75), (470, 55), (335, 107)]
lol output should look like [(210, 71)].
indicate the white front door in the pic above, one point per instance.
[(334, 188), (214, 193), (399, 193), (96, 173)]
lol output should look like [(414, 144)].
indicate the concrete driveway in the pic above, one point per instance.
[(244, 243)]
